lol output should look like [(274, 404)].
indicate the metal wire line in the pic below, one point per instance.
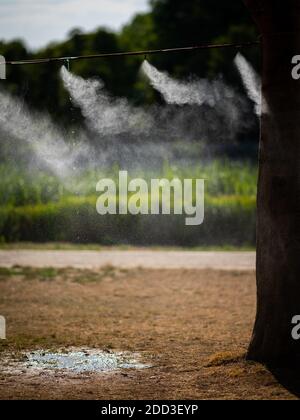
[(133, 53)]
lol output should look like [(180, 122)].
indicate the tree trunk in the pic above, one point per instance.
[(278, 225)]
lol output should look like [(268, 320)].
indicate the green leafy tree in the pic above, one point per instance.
[(179, 23)]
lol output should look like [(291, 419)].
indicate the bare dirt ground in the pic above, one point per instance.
[(193, 326), (130, 259)]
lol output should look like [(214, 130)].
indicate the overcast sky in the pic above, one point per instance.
[(41, 21)]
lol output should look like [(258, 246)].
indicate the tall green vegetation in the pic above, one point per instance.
[(39, 207), (223, 178)]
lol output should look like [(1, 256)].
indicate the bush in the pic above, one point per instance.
[(38, 207), (229, 220)]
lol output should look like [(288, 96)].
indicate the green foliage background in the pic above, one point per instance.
[(38, 207)]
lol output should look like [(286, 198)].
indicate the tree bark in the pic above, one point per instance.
[(278, 208)]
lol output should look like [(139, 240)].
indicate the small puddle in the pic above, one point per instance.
[(83, 361), (76, 361)]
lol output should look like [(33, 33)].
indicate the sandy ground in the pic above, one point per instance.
[(193, 326), (130, 259)]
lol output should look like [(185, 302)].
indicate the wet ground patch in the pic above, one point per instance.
[(74, 361)]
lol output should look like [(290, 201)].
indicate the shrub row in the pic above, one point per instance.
[(228, 221)]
